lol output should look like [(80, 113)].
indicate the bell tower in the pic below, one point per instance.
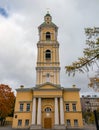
[(48, 65)]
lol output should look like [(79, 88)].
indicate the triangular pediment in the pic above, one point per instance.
[(48, 86)]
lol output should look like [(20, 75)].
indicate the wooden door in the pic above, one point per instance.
[(47, 123)]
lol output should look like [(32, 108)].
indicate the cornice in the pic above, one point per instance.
[(25, 101), (24, 89), (57, 86), (58, 63), (71, 89), (22, 112), (70, 101), (75, 112), (47, 68), (48, 43)]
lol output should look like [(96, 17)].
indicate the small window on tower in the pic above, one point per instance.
[(48, 36), (48, 55)]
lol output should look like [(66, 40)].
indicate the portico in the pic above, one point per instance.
[(48, 107)]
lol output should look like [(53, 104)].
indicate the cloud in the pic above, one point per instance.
[(3, 12), (16, 53), (19, 36)]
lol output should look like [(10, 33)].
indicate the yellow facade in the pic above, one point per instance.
[(47, 105)]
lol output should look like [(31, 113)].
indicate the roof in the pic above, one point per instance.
[(50, 24), (23, 89), (48, 83), (44, 24), (47, 15)]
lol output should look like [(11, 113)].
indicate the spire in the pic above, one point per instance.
[(48, 10)]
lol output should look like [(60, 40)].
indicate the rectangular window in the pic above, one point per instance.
[(26, 122), (67, 107), (68, 122), (28, 107), (74, 107), (19, 122), (21, 107), (75, 122)]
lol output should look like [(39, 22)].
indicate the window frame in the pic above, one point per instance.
[(28, 107), (21, 107), (47, 109), (19, 122), (68, 122), (27, 122), (67, 107), (48, 36), (74, 108), (48, 55), (76, 123)]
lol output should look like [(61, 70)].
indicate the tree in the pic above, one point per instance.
[(88, 116), (94, 83), (91, 53), (7, 100)]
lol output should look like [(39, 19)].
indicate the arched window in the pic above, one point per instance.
[(48, 55), (48, 36), (47, 109)]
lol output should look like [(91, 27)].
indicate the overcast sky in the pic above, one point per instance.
[(19, 21)]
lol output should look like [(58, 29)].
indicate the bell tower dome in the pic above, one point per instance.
[(48, 65)]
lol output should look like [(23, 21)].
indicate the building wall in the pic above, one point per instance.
[(69, 96), (89, 103), (23, 97), (72, 97)]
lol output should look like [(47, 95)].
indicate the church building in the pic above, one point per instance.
[(47, 105)]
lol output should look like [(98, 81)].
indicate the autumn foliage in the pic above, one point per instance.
[(7, 100), (91, 53)]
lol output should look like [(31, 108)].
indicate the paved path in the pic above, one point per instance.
[(5, 128), (86, 128)]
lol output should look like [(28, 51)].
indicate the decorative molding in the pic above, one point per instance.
[(47, 68), (47, 83), (24, 89), (73, 112), (48, 63), (22, 112), (47, 96), (25, 101), (70, 101), (72, 89)]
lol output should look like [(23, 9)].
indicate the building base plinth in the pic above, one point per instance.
[(35, 127), (59, 127)]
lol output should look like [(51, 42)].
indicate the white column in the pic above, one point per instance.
[(39, 112), (56, 112), (61, 111), (34, 112)]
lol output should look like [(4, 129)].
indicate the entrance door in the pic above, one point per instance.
[(47, 123)]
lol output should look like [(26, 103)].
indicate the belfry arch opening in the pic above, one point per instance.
[(48, 55), (48, 36)]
